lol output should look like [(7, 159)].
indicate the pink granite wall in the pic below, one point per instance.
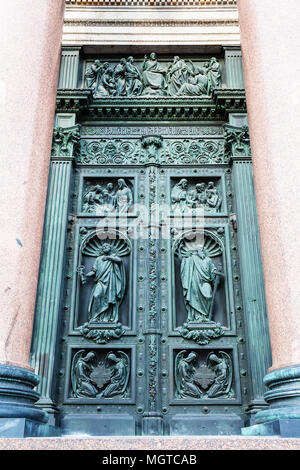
[(271, 54), (30, 55)]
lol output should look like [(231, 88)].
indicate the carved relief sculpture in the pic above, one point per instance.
[(200, 281), (237, 140), (222, 368), (178, 78), (179, 196), (185, 370), (92, 378), (108, 274), (65, 141), (202, 196), (110, 280), (124, 197), (212, 379), (81, 375), (102, 199), (151, 149), (198, 274)]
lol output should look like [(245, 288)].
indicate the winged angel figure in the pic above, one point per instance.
[(108, 273)]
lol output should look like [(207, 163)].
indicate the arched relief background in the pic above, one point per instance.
[(88, 251), (215, 242)]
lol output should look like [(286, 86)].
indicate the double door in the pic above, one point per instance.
[(153, 333)]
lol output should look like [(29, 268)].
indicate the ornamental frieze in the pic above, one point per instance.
[(151, 150), (154, 78)]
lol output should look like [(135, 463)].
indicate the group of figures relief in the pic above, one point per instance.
[(203, 195), (179, 78), (107, 198), (212, 379), (94, 378)]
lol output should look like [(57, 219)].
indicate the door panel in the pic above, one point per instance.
[(149, 366)]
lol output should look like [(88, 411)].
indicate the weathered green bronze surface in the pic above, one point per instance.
[(147, 322)]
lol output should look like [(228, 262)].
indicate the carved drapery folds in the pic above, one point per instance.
[(200, 280), (153, 78)]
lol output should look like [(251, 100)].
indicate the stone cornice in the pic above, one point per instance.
[(151, 108), (150, 23), (153, 3)]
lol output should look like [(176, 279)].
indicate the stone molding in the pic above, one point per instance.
[(140, 22), (152, 3)]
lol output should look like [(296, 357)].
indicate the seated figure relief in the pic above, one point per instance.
[(179, 78), (101, 199), (205, 196)]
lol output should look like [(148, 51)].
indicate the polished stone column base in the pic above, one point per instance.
[(279, 427), (282, 417), (22, 427), (17, 400)]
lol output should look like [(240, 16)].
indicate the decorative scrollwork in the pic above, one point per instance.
[(153, 149), (201, 335)]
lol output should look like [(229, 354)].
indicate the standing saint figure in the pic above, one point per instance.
[(119, 77), (108, 292), (214, 75), (134, 85), (198, 274), (92, 74), (179, 195), (123, 198), (178, 74)]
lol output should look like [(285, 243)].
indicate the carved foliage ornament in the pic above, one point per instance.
[(152, 149), (153, 78), (237, 141), (66, 141)]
